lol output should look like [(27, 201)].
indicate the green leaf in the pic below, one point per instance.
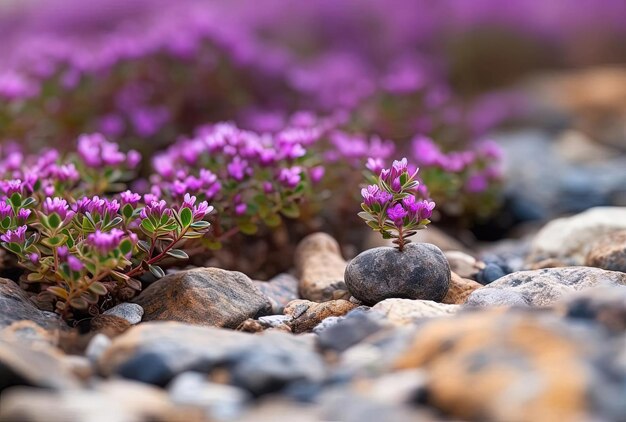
[(290, 211), (113, 223), (156, 271), (147, 226), (79, 303), (6, 222), (28, 201), (34, 277), (127, 211), (192, 235), (373, 224), (16, 200), (272, 220), (88, 225), (178, 254), (58, 291), (144, 246), (56, 241), (247, 227), (186, 217), (126, 246), (366, 216), (54, 220), (98, 288), (200, 225)]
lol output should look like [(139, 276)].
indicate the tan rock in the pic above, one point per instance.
[(569, 239), (402, 312), (609, 252), (503, 366), (320, 268), (110, 325), (463, 264), (306, 314), (460, 288)]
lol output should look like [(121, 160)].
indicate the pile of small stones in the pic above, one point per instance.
[(429, 333)]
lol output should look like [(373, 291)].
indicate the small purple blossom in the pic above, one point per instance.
[(96, 152), (105, 242), (397, 214), (74, 263), (58, 206), (156, 209), (289, 177), (15, 236), (5, 210), (131, 198)]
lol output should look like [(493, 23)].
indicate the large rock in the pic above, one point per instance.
[(15, 306), (609, 252), (320, 268), (280, 290), (306, 314), (420, 271), (544, 287), (513, 366), (604, 305), (155, 352), (407, 312), (204, 296), (570, 238)]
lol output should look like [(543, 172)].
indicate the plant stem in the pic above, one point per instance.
[(138, 269)]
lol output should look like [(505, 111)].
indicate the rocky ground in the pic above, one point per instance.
[(535, 332)]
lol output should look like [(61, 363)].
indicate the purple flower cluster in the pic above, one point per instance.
[(391, 207), (96, 152)]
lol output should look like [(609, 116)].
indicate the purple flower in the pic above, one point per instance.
[(131, 198), (9, 187), (15, 236), (74, 263), (237, 168), (397, 214), (240, 209), (133, 158), (375, 165), (58, 206), (370, 195), (289, 177), (62, 252), (200, 210), (476, 183), (425, 209), (156, 209), (316, 173), (96, 152), (105, 242), (5, 210)]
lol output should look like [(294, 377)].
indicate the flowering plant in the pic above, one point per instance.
[(391, 205)]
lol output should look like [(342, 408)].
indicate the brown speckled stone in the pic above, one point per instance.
[(204, 296), (320, 268), (306, 314)]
